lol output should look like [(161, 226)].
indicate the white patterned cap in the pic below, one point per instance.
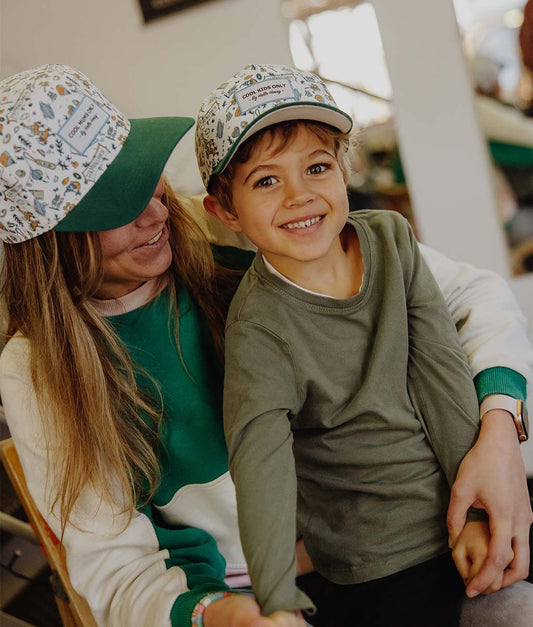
[(256, 97), (59, 136)]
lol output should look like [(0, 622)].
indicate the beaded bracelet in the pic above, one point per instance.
[(199, 609)]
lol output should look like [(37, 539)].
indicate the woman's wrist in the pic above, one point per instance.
[(197, 617), (516, 409), (230, 608), (498, 426)]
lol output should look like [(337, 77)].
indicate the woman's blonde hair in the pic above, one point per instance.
[(83, 377)]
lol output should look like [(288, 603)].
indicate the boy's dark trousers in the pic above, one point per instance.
[(427, 595)]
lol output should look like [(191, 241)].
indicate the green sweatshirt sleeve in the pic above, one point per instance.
[(195, 552), (500, 381)]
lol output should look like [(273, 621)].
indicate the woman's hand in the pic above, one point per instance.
[(240, 610), (492, 477)]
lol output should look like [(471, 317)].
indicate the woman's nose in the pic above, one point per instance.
[(155, 211)]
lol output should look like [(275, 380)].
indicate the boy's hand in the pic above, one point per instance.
[(492, 477), (285, 619), (471, 550), (304, 563), (240, 610)]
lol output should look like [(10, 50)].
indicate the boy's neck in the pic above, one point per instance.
[(339, 276)]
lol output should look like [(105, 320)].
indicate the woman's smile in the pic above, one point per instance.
[(136, 252), (160, 238)]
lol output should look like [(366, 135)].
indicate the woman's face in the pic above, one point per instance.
[(136, 252)]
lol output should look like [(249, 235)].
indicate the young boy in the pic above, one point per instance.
[(348, 403)]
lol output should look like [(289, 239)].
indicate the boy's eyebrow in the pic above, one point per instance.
[(257, 168), (267, 166), (321, 151)]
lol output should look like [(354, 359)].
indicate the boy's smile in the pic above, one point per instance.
[(292, 203), (303, 224)]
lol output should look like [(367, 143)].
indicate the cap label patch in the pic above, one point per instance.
[(58, 135), (84, 125), (264, 91), (19, 105), (92, 171)]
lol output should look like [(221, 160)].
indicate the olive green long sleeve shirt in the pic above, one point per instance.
[(346, 420)]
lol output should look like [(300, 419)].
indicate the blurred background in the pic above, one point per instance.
[(441, 93)]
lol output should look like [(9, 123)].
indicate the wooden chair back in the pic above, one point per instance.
[(73, 608)]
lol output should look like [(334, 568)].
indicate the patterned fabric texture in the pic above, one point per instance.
[(254, 98), (59, 134)]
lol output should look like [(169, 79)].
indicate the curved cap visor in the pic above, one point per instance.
[(291, 111), (124, 190)]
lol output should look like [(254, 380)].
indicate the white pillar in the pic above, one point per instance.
[(443, 152)]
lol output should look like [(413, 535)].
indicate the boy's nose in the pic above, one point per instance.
[(297, 193)]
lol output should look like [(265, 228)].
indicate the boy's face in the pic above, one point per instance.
[(292, 204)]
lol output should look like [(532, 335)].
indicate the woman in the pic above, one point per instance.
[(111, 380)]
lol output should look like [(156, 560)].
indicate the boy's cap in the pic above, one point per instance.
[(254, 98), (70, 160)]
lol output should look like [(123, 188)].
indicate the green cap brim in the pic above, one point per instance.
[(125, 188)]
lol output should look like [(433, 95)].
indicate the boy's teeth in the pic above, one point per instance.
[(155, 238), (301, 225)]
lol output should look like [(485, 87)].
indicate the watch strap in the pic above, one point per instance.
[(512, 405)]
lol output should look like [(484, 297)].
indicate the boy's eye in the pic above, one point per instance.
[(265, 181), (318, 168)]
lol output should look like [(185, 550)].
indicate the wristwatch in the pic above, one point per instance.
[(514, 406)]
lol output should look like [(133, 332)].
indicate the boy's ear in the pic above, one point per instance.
[(213, 206)]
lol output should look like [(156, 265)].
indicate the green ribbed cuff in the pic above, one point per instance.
[(500, 381)]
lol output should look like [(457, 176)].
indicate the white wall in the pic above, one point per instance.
[(165, 67)]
